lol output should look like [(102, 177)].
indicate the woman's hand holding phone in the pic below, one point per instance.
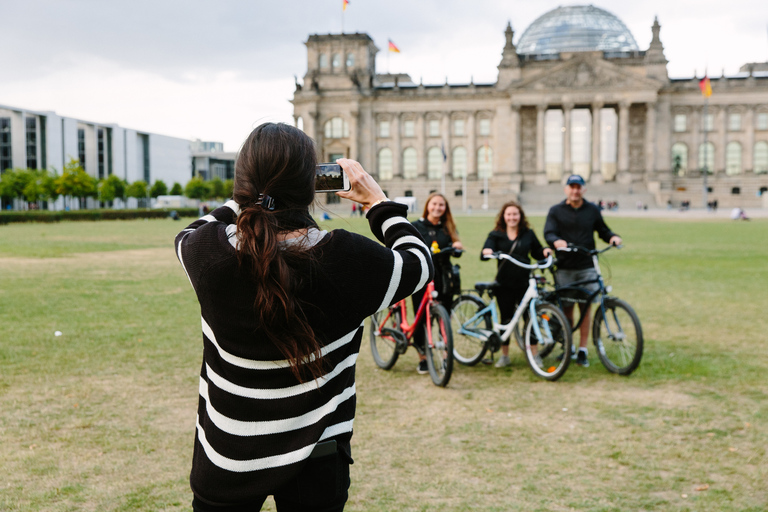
[(364, 189)]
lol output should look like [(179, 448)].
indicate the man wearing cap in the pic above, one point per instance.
[(574, 221)]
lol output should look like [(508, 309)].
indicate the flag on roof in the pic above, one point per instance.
[(705, 86), (344, 5), (393, 48)]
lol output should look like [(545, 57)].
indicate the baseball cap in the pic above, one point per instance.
[(575, 179)]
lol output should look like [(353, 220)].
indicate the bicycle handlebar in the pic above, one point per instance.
[(448, 251), (504, 256), (577, 248)]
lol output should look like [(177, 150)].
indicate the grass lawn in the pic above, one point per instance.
[(102, 417)]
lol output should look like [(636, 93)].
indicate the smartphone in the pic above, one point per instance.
[(330, 178)]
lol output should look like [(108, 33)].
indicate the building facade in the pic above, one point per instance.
[(574, 95)]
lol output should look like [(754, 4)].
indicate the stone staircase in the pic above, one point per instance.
[(541, 197)]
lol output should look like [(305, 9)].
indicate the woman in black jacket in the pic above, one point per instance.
[(514, 236), (438, 229)]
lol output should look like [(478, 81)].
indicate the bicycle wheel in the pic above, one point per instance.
[(618, 337), (467, 349), (439, 347), (384, 330), (548, 355)]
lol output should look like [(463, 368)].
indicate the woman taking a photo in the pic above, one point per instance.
[(514, 236), (438, 229), (282, 317)]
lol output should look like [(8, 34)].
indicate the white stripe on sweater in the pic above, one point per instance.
[(181, 260), (273, 394), (394, 281), (391, 222), (424, 268), (255, 364), (261, 428), (409, 239), (243, 466), (209, 218)]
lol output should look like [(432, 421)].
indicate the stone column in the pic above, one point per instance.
[(541, 170), (397, 150), (650, 142), (471, 142), (421, 143), (354, 152), (694, 165), (748, 151), (623, 153), (516, 140), (446, 132), (315, 131), (721, 141), (567, 163), (597, 172)]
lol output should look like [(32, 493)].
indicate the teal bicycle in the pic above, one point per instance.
[(546, 334)]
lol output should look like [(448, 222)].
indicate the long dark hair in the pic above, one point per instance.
[(522, 226), (446, 218), (278, 160)]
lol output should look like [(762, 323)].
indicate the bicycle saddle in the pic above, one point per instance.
[(480, 287)]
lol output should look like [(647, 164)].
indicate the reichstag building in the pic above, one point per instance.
[(574, 94)]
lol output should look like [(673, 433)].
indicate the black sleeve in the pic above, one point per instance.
[(537, 251), (551, 228), (603, 231)]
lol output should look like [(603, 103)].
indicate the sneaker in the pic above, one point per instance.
[(538, 361), (422, 369), (503, 362), (581, 359)]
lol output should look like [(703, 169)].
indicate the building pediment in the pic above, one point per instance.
[(587, 73)]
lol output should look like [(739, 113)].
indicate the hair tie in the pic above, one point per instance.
[(265, 201)]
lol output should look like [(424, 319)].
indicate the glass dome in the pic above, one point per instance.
[(577, 28)]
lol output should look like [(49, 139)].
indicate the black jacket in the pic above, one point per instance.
[(575, 226), (509, 274)]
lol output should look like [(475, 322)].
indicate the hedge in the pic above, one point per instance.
[(9, 216)]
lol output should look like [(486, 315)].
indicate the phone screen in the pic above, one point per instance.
[(330, 178)]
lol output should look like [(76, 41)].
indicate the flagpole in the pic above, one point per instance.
[(706, 156)]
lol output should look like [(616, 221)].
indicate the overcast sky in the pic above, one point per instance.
[(213, 70)]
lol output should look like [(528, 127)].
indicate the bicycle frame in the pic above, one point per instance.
[(422, 313)]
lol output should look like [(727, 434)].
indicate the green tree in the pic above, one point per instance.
[(176, 189), (12, 183), (229, 187), (216, 188), (35, 189), (75, 182), (111, 188), (159, 188), (49, 184), (196, 188), (138, 189)]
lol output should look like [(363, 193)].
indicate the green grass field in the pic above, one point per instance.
[(102, 418)]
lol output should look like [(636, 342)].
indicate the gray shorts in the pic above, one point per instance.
[(565, 277)]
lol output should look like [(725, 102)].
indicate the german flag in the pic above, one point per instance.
[(344, 5), (393, 48), (705, 86)]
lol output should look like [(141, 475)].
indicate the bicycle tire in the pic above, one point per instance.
[(468, 350), (554, 347), (439, 349), (383, 345), (619, 353)]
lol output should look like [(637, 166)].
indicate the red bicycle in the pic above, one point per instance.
[(391, 334)]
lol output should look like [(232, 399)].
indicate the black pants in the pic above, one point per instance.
[(322, 486), (508, 298)]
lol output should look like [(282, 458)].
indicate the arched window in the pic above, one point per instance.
[(484, 162), (733, 158), (385, 164), (707, 157), (410, 163), (322, 61), (679, 158), (336, 61), (434, 163), (459, 161), (350, 60), (761, 157), (336, 128)]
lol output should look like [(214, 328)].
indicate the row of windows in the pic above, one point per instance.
[(435, 163), (31, 140), (5, 144), (708, 122), (733, 158), (322, 61), (337, 127)]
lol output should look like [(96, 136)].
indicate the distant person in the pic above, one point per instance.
[(512, 235), (575, 221), (282, 305), (739, 214), (438, 229)]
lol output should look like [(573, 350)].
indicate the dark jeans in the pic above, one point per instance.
[(322, 486)]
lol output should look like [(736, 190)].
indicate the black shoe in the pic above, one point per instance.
[(581, 359), (422, 368)]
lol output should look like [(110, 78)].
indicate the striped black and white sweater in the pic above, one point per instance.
[(256, 424)]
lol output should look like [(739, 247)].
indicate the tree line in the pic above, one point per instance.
[(38, 186)]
